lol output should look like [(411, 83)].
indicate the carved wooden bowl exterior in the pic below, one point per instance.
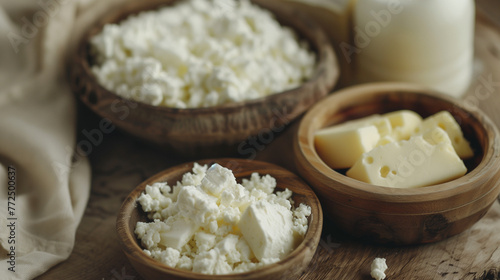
[(213, 131), (290, 267), (401, 216)]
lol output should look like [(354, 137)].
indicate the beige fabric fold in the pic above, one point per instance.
[(38, 134)]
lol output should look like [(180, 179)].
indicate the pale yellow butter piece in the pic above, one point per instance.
[(422, 160), (446, 121), (404, 123), (340, 146)]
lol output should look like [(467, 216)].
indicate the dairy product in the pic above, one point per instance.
[(200, 53), (422, 160), (446, 121), (331, 144), (425, 42), (267, 227), (403, 123), (378, 268), (397, 149), (382, 124), (209, 223), (362, 135)]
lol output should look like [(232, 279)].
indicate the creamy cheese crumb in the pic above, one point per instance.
[(200, 53), (378, 268), (208, 223)]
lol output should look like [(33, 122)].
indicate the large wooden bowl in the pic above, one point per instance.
[(291, 266), (213, 131), (401, 216)]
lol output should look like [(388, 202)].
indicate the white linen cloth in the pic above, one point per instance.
[(38, 133)]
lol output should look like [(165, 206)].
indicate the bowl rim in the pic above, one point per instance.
[(324, 54), (132, 250), (400, 195)]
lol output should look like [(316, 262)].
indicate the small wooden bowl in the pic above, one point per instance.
[(291, 266), (212, 131), (401, 216)]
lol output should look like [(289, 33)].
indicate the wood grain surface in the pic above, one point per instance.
[(120, 163)]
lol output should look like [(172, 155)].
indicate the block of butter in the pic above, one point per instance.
[(423, 160)]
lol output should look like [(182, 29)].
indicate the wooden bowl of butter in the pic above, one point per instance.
[(200, 78), (399, 164), (221, 219)]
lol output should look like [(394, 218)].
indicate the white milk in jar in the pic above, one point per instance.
[(428, 42)]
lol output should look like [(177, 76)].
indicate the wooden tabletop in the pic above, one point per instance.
[(120, 163)]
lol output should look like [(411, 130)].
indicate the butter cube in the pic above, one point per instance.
[(403, 123), (340, 147), (267, 228), (446, 121), (422, 160)]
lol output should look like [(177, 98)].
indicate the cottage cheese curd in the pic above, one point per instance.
[(378, 268), (208, 223), (200, 53)]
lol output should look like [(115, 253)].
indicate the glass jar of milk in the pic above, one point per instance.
[(430, 42)]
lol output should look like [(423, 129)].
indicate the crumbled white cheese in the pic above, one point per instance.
[(378, 268), (209, 223), (200, 53)]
